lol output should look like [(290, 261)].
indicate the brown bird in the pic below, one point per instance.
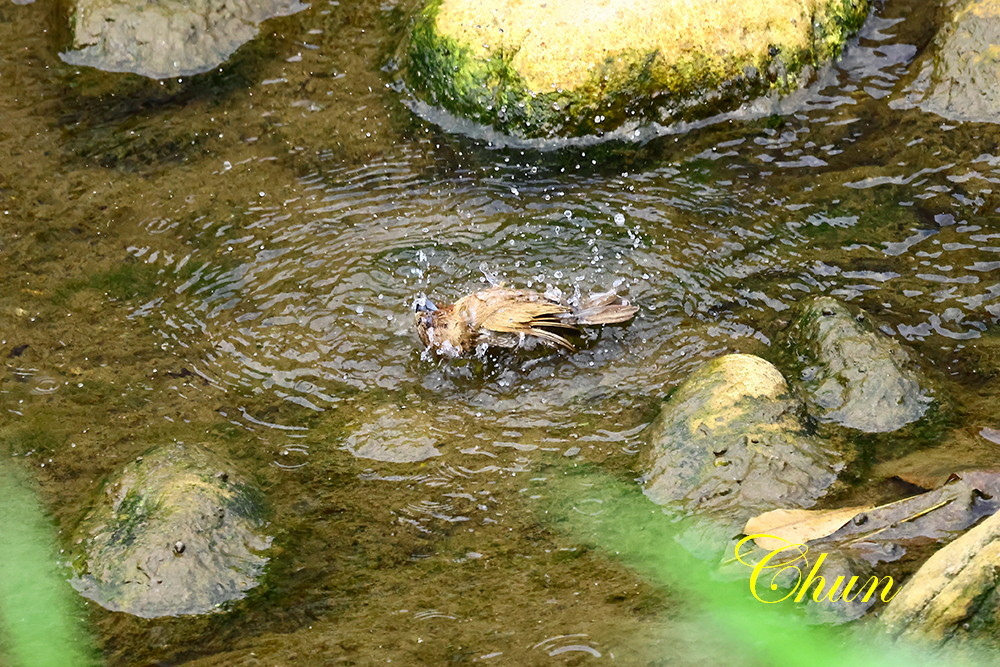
[(503, 317)]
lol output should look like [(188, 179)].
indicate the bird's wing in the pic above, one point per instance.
[(531, 318)]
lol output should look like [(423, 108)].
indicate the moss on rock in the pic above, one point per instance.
[(583, 67)]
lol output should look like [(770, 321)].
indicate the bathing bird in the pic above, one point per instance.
[(512, 318)]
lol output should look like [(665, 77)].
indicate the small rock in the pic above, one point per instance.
[(851, 373), (397, 434), (731, 441), (167, 38), (165, 504)]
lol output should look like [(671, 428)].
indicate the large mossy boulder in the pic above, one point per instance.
[(176, 532), (955, 594), (167, 38), (731, 442), (957, 78), (581, 67), (851, 373)]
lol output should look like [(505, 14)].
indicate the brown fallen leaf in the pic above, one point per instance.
[(858, 540), (783, 527), (884, 533)]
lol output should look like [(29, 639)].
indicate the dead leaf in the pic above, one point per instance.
[(887, 532), (784, 527)]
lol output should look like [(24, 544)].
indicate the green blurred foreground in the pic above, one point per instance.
[(41, 619), (617, 518)]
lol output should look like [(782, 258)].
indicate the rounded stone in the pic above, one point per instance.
[(167, 38), (169, 536), (851, 373), (956, 78), (731, 441), (579, 67)]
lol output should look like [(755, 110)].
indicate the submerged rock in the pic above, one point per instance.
[(167, 38), (578, 67), (852, 374), (954, 595), (175, 533), (731, 441), (957, 80), (397, 434)]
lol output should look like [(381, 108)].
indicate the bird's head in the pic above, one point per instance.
[(425, 315)]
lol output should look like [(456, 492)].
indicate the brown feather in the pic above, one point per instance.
[(517, 317), (610, 314), (552, 338)]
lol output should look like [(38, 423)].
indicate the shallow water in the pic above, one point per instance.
[(233, 259)]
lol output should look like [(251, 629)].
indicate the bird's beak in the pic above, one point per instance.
[(423, 305)]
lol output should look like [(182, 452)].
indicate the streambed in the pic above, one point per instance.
[(231, 261)]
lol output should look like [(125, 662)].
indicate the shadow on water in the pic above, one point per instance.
[(246, 251)]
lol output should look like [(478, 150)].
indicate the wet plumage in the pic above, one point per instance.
[(502, 317)]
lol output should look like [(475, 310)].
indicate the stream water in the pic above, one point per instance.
[(232, 260)]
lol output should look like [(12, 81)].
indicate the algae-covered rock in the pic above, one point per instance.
[(175, 532), (167, 38), (731, 441), (954, 594), (852, 374), (578, 67), (958, 77)]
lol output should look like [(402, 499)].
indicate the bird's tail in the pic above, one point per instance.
[(605, 308)]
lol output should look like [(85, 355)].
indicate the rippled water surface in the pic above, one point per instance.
[(233, 261)]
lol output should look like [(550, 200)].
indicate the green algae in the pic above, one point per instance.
[(130, 280), (36, 439), (129, 517)]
